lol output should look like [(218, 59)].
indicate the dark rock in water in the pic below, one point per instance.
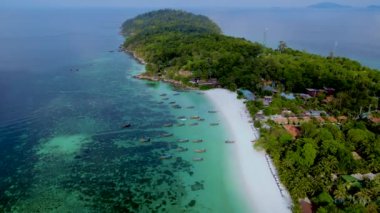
[(192, 203), (191, 173), (127, 125), (177, 106), (78, 157), (134, 205), (167, 172), (197, 186), (160, 181)]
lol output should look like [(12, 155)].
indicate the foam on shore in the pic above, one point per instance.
[(248, 167)]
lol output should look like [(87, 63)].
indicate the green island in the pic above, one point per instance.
[(318, 116)]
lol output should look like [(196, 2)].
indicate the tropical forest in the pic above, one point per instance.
[(333, 158)]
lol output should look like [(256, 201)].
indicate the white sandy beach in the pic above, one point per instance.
[(248, 166)]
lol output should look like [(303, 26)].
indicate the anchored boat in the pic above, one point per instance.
[(177, 106), (144, 140), (197, 159), (165, 157), (165, 135), (182, 149)]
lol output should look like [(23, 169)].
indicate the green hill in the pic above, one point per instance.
[(172, 41), (169, 21)]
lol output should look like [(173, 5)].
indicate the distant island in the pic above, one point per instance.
[(329, 5), (317, 116), (377, 7)]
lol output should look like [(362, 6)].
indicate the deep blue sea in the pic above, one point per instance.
[(66, 92)]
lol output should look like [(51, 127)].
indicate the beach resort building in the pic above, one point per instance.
[(292, 130), (288, 96), (248, 94), (294, 121), (212, 82), (304, 96), (267, 100), (280, 120)]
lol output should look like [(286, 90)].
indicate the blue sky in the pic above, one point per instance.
[(175, 3)]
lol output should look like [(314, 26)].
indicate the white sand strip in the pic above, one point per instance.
[(249, 167)]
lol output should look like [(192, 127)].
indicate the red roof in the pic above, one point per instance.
[(306, 207), (332, 119), (320, 119), (292, 130), (375, 120)]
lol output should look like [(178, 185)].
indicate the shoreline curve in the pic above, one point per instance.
[(255, 179)]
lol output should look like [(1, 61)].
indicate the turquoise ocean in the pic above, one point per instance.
[(63, 145)]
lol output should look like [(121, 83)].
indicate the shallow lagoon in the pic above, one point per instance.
[(75, 154)]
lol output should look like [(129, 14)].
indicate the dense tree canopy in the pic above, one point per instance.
[(308, 164), (171, 40), (317, 164), (162, 21)]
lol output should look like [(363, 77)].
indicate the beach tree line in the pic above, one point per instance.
[(319, 163)]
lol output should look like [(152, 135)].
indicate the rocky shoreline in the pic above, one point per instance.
[(144, 76), (134, 55)]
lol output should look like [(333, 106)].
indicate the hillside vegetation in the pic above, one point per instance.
[(171, 40), (319, 163)]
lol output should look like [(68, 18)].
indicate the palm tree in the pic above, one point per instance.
[(340, 193), (363, 197)]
